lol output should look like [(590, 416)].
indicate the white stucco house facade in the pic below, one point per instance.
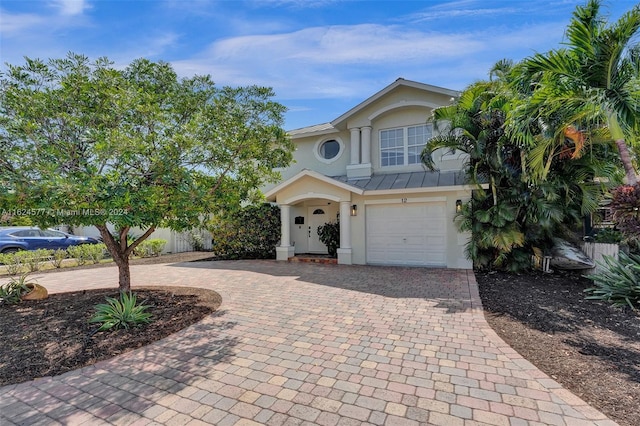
[(364, 169)]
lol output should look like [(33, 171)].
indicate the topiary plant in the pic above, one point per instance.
[(329, 234)]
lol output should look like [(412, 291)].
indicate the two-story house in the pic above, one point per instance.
[(364, 169)]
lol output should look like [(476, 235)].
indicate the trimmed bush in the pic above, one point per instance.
[(94, 252), (252, 232), (58, 257), (12, 263), (329, 234), (33, 259), (150, 248), (79, 253)]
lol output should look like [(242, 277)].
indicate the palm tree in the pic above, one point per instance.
[(475, 126), (593, 80), (519, 211)]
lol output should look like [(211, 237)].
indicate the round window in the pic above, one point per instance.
[(329, 149)]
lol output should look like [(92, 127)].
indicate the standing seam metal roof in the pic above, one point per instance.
[(407, 180)]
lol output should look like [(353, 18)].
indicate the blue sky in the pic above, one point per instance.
[(321, 57)]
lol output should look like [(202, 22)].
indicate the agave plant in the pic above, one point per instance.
[(121, 313), (618, 282), (12, 292)]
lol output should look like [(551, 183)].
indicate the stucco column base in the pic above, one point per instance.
[(284, 253), (355, 171), (344, 256)]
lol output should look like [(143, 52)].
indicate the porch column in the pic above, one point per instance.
[(366, 145), (344, 252), (285, 250), (355, 146)]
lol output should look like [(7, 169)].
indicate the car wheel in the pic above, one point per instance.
[(10, 250)]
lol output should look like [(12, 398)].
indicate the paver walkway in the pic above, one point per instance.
[(300, 344)]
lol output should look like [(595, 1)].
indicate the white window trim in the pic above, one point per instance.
[(319, 142), (405, 145)]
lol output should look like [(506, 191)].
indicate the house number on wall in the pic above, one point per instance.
[(403, 200)]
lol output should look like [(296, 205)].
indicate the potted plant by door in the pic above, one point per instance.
[(329, 234)]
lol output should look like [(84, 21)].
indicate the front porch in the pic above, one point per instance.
[(300, 223), (308, 201)]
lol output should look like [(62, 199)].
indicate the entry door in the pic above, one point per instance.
[(318, 216)]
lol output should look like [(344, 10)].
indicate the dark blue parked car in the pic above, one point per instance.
[(13, 239)]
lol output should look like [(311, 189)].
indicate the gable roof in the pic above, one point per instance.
[(399, 82), (313, 130), (332, 127), (270, 195)]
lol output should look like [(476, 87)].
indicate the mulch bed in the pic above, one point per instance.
[(590, 347), (52, 336)]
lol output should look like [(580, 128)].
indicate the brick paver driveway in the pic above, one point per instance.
[(306, 344)]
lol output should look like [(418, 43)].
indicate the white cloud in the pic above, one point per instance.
[(12, 23), (70, 7), (298, 4), (460, 9), (334, 61)]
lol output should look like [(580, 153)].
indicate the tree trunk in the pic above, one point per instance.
[(124, 276), (121, 252), (625, 157), (618, 136), (120, 256)]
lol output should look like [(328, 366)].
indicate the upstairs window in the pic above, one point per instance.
[(403, 145), (329, 149)]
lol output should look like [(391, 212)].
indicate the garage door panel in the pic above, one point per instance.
[(406, 234)]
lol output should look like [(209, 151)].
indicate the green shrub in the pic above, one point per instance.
[(608, 236), (150, 248), (12, 263), (252, 232), (10, 220), (196, 240), (58, 257), (121, 313), (619, 281), (34, 259), (79, 253), (94, 252), (329, 234), (12, 292)]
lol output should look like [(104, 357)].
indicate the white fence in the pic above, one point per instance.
[(177, 242), (596, 251)]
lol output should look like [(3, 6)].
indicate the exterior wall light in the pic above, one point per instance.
[(354, 210), (458, 206)]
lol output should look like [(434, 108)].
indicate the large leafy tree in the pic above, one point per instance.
[(591, 82), (84, 143)]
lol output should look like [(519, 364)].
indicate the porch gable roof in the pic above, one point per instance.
[(271, 194)]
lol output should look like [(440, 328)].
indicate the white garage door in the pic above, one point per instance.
[(407, 234)]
